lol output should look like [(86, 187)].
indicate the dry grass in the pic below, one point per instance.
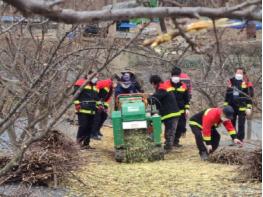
[(180, 174)]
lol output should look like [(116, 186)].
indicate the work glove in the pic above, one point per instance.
[(209, 148), (248, 112), (187, 113), (237, 141), (100, 107), (77, 107)]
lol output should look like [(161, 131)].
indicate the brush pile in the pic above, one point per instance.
[(250, 160), (45, 162), (252, 168), (225, 155)]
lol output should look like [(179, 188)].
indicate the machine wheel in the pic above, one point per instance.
[(119, 155)]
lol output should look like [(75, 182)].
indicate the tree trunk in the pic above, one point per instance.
[(162, 25)]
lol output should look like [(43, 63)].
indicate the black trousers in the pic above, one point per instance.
[(170, 125), (99, 119), (85, 126), (215, 139), (239, 116), (181, 128)]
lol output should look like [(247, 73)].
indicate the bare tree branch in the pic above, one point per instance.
[(19, 155), (183, 34), (2, 31), (217, 44), (47, 9), (22, 101)]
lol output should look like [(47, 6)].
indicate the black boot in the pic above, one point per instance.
[(177, 145), (86, 144), (168, 148)]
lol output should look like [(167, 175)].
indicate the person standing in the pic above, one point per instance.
[(105, 88), (185, 78), (239, 95), (85, 108), (204, 124), (168, 109), (181, 93)]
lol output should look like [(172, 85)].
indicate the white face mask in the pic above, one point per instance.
[(175, 79), (94, 80), (238, 76)]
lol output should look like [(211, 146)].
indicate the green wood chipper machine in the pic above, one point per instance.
[(137, 134)]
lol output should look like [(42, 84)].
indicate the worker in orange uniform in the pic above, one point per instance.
[(85, 107), (105, 88), (204, 124), (168, 109), (239, 96), (181, 93)]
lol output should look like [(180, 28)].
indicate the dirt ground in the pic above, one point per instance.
[(182, 173)]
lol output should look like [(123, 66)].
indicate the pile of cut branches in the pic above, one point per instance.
[(225, 155), (250, 160), (252, 168), (45, 162)]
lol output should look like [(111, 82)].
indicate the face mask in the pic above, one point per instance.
[(238, 76), (175, 79), (94, 80)]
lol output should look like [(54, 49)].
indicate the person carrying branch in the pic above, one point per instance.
[(181, 93), (85, 108), (204, 124), (168, 109), (238, 95)]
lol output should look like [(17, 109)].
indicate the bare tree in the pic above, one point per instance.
[(37, 74), (51, 10)]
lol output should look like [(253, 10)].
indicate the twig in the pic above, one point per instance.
[(10, 27), (187, 39), (78, 179), (21, 103), (55, 176)]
